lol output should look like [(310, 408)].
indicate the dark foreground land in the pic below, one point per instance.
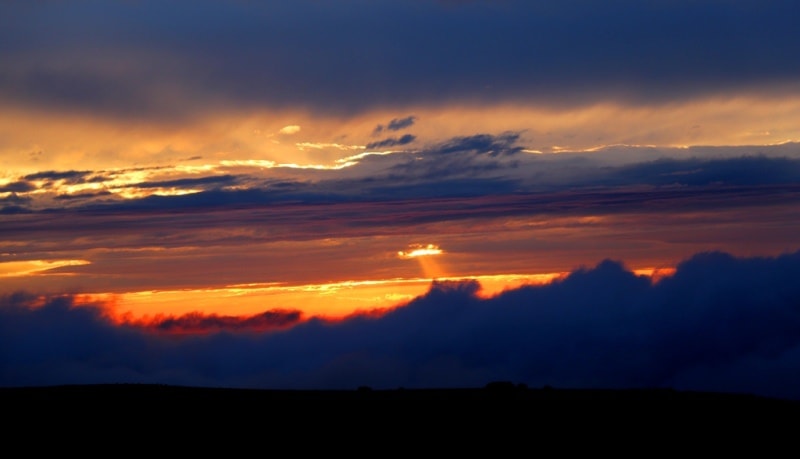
[(501, 417), (499, 420), (494, 393)]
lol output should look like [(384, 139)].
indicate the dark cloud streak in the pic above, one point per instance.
[(217, 180), (187, 219), (392, 142), (491, 145), (396, 124), (68, 176), (18, 186)]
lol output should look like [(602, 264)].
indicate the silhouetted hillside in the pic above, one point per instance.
[(496, 392)]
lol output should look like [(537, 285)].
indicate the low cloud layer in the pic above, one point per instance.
[(720, 323)]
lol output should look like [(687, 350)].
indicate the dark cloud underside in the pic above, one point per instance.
[(121, 57)]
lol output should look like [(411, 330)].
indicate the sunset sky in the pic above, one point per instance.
[(401, 193)]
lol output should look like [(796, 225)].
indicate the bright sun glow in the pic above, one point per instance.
[(418, 250)]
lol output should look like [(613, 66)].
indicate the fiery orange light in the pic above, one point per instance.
[(656, 274), (36, 267), (265, 306)]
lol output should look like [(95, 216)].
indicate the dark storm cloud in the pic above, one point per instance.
[(392, 142), (119, 58), (720, 324)]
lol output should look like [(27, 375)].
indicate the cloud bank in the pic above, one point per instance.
[(475, 165), (720, 323), (356, 55)]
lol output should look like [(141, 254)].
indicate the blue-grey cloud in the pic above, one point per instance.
[(485, 144), (720, 323), (398, 124), (14, 209), (18, 186), (480, 157), (304, 53), (14, 204), (744, 171), (392, 142)]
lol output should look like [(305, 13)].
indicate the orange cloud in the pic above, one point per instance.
[(48, 140), (289, 130)]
